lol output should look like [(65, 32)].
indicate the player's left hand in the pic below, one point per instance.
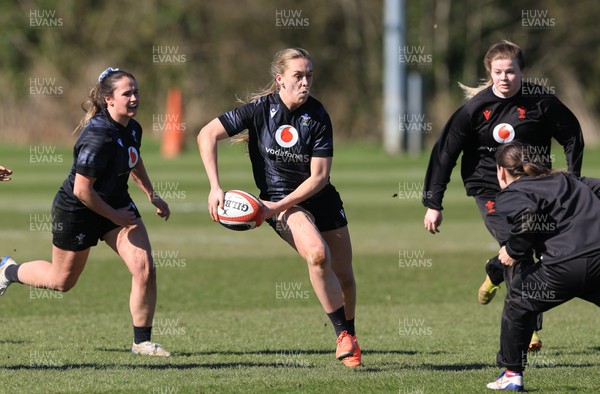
[(270, 209), (505, 258), (162, 208)]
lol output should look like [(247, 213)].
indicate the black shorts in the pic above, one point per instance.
[(327, 208), (79, 230)]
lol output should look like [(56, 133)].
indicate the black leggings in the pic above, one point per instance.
[(537, 288), (500, 230)]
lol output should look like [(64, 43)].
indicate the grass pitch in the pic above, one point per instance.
[(237, 309)]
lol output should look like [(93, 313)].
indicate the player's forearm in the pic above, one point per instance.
[(209, 160), (142, 179), (207, 146), (90, 198), (307, 189)]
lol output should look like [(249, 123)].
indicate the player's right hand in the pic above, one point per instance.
[(124, 217), (5, 174), (216, 199), (432, 220), (505, 258)]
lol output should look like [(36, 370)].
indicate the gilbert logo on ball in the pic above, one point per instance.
[(286, 136), (241, 211), (504, 133)]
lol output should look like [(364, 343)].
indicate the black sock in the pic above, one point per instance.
[(338, 319), (141, 334), (350, 325), (495, 270), (12, 273)]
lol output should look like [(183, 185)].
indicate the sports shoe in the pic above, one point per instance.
[(345, 346), (514, 382), (4, 263), (149, 349), (353, 360), (487, 291), (535, 345)]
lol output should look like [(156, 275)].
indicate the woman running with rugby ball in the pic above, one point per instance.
[(290, 144)]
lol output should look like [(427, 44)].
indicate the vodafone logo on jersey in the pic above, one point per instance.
[(134, 156), (504, 133), (286, 136)]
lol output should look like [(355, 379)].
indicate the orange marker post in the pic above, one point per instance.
[(174, 128)]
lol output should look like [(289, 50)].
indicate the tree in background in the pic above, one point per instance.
[(217, 52)]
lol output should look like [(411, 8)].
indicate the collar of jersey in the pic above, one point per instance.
[(493, 92), (112, 121), (284, 107)]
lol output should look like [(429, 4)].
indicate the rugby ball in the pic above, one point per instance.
[(241, 211)]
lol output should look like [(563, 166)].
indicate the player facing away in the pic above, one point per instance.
[(555, 216), (290, 144), (93, 204), (502, 110)]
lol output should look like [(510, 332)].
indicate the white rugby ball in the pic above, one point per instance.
[(241, 211)]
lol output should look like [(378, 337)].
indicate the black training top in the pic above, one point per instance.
[(555, 215), (281, 142), (486, 121), (106, 151)]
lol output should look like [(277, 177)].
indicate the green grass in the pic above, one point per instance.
[(420, 328)]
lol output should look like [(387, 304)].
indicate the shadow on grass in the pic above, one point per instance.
[(97, 366), (566, 351), (457, 367), (563, 350), (12, 341), (286, 354), (297, 352), (479, 366)]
